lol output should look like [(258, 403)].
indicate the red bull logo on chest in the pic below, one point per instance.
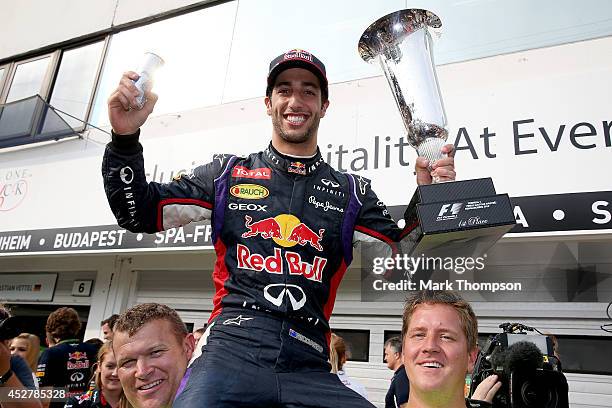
[(285, 229), (274, 263)]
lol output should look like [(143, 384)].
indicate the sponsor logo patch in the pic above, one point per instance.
[(263, 173), (306, 340), (363, 184), (249, 191), (247, 207), (449, 211), (126, 174), (237, 320), (330, 183), (325, 206), (297, 167), (285, 229), (276, 293), (274, 263), (76, 377)]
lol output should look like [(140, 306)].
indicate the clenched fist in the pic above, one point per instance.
[(124, 116)]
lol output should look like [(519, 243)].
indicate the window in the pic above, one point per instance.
[(75, 82), (262, 33), (470, 29), (221, 53), (25, 115), (2, 70), (29, 78), (578, 354), (387, 335), (585, 354), (357, 343), (195, 48)]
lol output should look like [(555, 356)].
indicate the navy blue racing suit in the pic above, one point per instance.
[(283, 229)]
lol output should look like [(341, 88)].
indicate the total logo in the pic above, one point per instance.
[(260, 173), (285, 229), (274, 263)]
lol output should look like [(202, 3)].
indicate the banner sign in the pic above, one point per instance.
[(559, 212), (27, 287)]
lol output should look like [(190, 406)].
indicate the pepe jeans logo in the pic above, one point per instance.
[(325, 206), (13, 188)]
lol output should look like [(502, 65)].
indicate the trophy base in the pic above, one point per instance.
[(458, 219)]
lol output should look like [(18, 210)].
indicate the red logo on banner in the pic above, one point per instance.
[(261, 173)]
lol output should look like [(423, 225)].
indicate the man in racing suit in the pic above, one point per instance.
[(283, 227)]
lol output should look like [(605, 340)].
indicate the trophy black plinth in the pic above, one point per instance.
[(458, 219)]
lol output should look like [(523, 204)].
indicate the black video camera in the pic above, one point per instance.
[(9, 328), (527, 367)]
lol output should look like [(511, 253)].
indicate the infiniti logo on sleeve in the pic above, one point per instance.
[(126, 174)]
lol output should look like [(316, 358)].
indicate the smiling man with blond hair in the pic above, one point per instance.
[(440, 334)]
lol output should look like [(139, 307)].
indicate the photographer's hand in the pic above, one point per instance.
[(486, 389)]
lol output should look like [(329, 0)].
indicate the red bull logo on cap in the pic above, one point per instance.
[(285, 229), (297, 53)]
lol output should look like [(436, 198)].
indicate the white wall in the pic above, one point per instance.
[(31, 24)]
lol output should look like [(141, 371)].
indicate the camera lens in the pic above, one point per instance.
[(538, 395)]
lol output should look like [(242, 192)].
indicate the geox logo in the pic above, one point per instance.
[(449, 211)]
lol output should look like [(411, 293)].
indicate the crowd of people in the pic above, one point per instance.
[(145, 360)]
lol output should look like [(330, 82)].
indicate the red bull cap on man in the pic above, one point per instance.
[(297, 59)]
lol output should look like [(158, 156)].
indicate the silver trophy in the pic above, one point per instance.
[(401, 42), (463, 218)]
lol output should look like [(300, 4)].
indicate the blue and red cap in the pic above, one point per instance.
[(297, 58)]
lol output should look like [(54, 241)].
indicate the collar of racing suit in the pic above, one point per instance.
[(296, 165)]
